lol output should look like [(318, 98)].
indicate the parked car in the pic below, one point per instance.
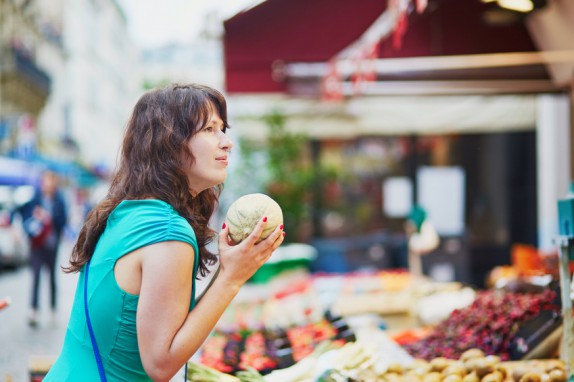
[(14, 246)]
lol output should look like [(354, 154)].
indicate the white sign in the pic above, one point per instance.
[(397, 196), (441, 193)]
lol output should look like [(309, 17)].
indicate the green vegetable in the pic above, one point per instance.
[(249, 375), (201, 373)]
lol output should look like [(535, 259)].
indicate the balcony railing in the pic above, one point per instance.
[(24, 84), (15, 61)]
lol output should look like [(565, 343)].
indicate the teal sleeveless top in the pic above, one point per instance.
[(131, 225)]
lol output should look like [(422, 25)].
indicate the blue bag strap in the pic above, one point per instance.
[(93, 337), (89, 322)]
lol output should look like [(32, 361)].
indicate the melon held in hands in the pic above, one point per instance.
[(244, 214)]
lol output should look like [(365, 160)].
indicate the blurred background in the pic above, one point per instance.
[(348, 113)]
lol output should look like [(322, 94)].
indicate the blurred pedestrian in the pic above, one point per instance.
[(44, 218), (135, 316)]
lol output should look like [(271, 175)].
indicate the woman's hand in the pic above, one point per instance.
[(168, 335), (239, 262)]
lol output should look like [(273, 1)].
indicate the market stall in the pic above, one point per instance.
[(298, 326)]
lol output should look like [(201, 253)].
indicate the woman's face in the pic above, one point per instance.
[(210, 147)]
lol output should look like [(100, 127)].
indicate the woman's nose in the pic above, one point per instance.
[(226, 142)]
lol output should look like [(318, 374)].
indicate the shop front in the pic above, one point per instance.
[(486, 106), (480, 141)]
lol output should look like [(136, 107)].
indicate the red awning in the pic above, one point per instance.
[(290, 31), (277, 32)]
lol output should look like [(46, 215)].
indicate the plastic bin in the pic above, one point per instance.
[(286, 258)]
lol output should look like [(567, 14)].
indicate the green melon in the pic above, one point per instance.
[(244, 214)]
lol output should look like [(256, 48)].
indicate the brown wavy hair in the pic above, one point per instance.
[(152, 165)]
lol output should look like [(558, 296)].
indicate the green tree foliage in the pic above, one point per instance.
[(288, 174)]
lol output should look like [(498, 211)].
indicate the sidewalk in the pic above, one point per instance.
[(20, 343)]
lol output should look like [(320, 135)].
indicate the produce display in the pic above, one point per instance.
[(201, 373), (490, 323), (239, 351), (244, 214), (472, 345), (266, 350), (382, 292), (283, 332), (472, 366), (283, 303), (360, 362)]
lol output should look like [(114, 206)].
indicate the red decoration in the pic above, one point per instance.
[(332, 86), (365, 70), (400, 30), (421, 5)]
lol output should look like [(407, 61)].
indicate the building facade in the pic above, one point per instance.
[(69, 79)]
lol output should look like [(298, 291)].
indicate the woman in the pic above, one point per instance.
[(145, 243)]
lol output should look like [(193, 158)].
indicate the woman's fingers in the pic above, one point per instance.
[(279, 240), (256, 233), (272, 242), (224, 236), (274, 236)]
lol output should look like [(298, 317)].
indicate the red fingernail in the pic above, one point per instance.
[(283, 234), (264, 219), (281, 226), (223, 226)]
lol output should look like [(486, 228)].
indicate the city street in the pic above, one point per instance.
[(21, 344)]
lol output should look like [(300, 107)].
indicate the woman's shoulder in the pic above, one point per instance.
[(129, 207), (142, 213), (152, 215)]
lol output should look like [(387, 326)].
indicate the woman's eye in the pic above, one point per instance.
[(208, 129)]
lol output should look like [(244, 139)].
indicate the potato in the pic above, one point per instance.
[(392, 377), (439, 363), (471, 377), (456, 369), (492, 377), (557, 375), (395, 368), (471, 353), (411, 378), (434, 376), (483, 368), (419, 366), (471, 364), (531, 377), (492, 359), (518, 373), (502, 370), (452, 378), (421, 371), (554, 364)]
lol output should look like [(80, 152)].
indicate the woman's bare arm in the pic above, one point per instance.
[(167, 334)]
